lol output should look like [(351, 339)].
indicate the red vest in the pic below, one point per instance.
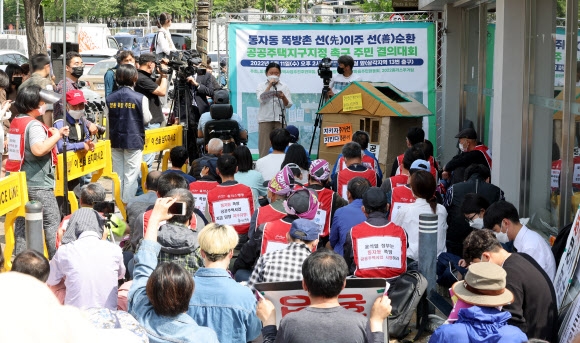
[(379, 251), (345, 175), (322, 217), (199, 190), (268, 214), (367, 161), (401, 195), (431, 164), (17, 144), (231, 205), (398, 180), (274, 237), (486, 153)]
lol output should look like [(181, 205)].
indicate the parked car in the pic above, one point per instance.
[(11, 56), (91, 57), (129, 42), (95, 78)]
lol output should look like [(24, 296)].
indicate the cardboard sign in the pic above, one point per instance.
[(13, 192), (379, 252), (358, 295), (337, 135), (232, 211), (569, 262), (352, 102)]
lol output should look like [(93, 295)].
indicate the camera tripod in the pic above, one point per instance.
[(318, 120), (181, 107), (109, 224)]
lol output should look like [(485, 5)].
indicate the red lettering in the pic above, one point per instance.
[(352, 302), (294, 303)]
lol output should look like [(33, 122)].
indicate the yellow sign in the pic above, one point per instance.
[(81, 163), (13, 199), (352, 102), (162, 139), (337, 135)]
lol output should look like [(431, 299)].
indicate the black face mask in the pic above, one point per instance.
[(77, 72), (340, 70), (17, 81)]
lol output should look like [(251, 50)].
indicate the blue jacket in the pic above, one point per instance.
[(181, 328), (344, 219), (224, 305), (126, 126), (479, 325)]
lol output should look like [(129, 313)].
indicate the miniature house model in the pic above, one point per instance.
[(380, 109)]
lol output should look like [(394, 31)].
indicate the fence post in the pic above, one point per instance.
[(428, 224), (34, 226)]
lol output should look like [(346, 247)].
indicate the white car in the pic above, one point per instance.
[(11, 56), (91, 57)]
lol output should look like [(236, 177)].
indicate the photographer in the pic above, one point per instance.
[(344, 77), (201, 85), (152, 88)]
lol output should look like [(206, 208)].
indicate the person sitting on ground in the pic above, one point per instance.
[(329, 201), (351, 152), (324, 320), (484, 288), (209, 180), (294, 138), (139, 204), (503, 215), (286, 264), (89, 265), (368, 159), (220, 302), (295, 154), (178, 158), (376, 229), (214, 148), (271, 236), (415, 135), (534, 308), (270, 164), (350, 215), (247, 176), (33, 263), (411, 155), (402, 195), (161, 292)]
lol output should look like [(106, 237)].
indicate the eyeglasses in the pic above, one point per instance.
[(470, 220)]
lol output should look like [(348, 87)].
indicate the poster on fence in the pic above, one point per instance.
[(401, 53), (568, 262), (287, 297)]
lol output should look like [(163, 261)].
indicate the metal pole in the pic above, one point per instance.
[(65, 207), (33, 226), (1, 16), (428, 224)]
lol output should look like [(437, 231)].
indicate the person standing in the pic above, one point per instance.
[(274, 97), (124, 57), (164, 44), (345, 75), (128, 114), (74, 69), (201, 87), (152, 89), (40, 64), (32, 149)]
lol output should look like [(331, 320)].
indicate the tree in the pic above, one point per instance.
[(377, 6), (34, 18)]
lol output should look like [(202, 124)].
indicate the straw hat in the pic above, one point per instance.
[(484, 285)]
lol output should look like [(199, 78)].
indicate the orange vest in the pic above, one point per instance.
[(17, 144), (345, 175), (231, 205), (199, 190), (401, 195), (379, 251)]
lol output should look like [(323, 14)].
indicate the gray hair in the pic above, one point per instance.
[(215, 146), (92, 193)]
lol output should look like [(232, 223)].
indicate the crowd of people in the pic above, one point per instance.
[(203, 234)]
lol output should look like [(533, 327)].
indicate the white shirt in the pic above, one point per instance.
[(269, 165), (164, 42), (531, 243), (340, 82), (408, 219), (271, 106)]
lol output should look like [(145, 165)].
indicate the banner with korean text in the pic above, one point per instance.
[(402, 53)]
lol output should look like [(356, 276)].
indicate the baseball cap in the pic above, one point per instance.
[(221, 96), (468, 133), (302, 203), (374, 197), (75, 97), (319, 170), (211, 163), (283, 182), (421, 165), (147, 57), (304, 229), (294, 133)]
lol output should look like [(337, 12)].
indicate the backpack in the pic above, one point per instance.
[(405, 295)]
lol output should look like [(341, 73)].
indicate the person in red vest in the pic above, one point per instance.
[(376, 248), (471, 153), (414, 136), (352, 157), (412, 154), (271, 236), (279, 189), (368, 158), (402, 195), (32, 150), (231, 203), (208, 181), (319, 173)]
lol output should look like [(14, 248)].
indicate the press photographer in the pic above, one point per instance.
[(153, 89)]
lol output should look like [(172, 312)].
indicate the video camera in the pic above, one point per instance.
[(324, 69), (185, 63)]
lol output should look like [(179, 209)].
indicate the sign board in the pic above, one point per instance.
[(406, 5), (571, 325), (287, 297), (352, 102), (232, 211), (568, 262), (374, 148), (396, 17), (13, 192), (337, 134), (162, 139)]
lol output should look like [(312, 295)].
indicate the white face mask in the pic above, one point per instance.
[(273, 78), (42, 109), (461, 147), (502, 237), (76, 114), (476, 223)]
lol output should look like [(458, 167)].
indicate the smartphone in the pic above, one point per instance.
[(104, 207), (178, 208), (258, 296)]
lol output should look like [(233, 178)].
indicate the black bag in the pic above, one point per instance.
[(405, 295)]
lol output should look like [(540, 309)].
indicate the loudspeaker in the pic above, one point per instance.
[(57, 48)]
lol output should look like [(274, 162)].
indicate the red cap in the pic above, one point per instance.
[(75, 97)]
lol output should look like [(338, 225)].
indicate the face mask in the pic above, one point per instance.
[(17, 81), (77, 71), (340, 70), (42, 109), (273, 78), (502, 237), (461, 147), (477, 223), (76, 114)]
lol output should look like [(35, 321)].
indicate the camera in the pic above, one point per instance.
[(105, 207), (324, 69), (186, 62)]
